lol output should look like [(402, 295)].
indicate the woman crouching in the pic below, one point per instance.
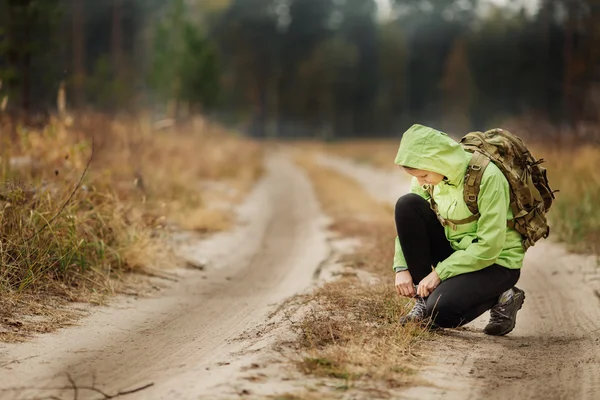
[(456, 272)]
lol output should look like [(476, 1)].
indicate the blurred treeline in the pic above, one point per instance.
[(321, 68)]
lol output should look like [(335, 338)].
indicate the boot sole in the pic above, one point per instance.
[(521, 300)]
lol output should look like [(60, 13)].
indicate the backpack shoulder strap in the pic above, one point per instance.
[(473, 177), (452, 223)]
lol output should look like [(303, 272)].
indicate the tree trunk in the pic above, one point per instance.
[(18, 37), (546, 11), (568, 55), (78, 52), (117, 38), (26, 61)]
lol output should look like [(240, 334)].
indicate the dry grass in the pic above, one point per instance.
[(342, 197), (351, 333), (575, 217), (34, 313), (59, 246)]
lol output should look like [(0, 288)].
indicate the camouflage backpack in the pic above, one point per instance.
[(530, 193)]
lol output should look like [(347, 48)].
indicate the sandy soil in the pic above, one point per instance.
[(554, 351), (211, 334), (189, 339)]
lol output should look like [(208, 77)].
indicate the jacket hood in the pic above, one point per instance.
[(428, 149)]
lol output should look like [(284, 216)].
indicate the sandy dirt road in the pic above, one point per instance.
[(554, 351), (187, 341)]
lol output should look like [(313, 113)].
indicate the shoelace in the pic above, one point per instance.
[(419, 309), (497, 315)]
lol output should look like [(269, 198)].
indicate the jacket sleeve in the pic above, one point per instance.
[(493, 202), (399, 261)]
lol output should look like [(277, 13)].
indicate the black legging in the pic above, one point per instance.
[(457, 300)]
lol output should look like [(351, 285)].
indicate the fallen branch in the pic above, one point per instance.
[(111, 396), (74, 386), (77, 390)]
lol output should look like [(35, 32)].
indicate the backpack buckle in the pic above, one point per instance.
[(476, 167), (472, 197)]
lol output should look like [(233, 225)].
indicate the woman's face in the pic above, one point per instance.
[(425, 177)]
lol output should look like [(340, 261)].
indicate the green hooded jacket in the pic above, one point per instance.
[(431, 150)]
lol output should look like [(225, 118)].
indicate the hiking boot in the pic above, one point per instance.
[(503, 316), (418, 312)]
